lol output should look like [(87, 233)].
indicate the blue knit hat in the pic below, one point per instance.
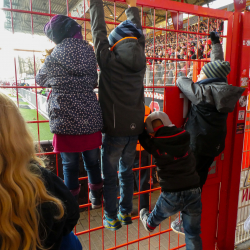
[(61, 27), (216, 69), (124, 29)]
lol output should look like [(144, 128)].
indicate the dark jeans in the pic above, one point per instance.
[(189, 203), (144, 177), (203, 164), (70, 163), (118, 151)]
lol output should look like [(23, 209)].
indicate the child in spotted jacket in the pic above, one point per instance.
[(74, 113)]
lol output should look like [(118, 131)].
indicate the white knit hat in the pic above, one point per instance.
[(155, 116)]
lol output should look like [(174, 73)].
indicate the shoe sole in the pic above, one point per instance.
[(178, 232), (113, 229), (96, 206), (126, 223)]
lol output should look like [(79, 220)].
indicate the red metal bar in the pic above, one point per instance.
[(57, 170), (45, 121), (178, 31), (108, 22), (85, 33), (49, 6), (89, 218), (197, 48), (67, 6), (174, 59), (144, 238), (155, 4), (176, 56), (16, 81), (22, 87), (184, 8), (232, 161)]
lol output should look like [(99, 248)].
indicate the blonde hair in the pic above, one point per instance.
[(21, 190), (47, 53)]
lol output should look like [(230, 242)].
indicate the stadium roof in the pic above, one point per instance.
[(22, 21)]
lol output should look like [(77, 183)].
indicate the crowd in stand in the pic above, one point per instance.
[(161, 72)]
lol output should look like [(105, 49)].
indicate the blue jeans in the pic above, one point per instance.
[(70, 163), (189, 203), (118, 152)]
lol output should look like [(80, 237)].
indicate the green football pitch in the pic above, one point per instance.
[(31, 115)]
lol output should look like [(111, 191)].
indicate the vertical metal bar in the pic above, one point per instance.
[(34, 60), (138, 246), (231, 174), (57, 169), (154, 62), (16, 81), (115, 12), (50, 7), (102, 229), (12, 29), (115, 238), (67, 3), (84, 10), (166, 35), (198, 37), (188, 36), (89, 219), (169, 226), (177, 42)]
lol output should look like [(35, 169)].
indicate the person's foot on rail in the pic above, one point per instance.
[(111, 224), (177, 225)]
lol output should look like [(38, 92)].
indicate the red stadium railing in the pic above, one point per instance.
[(160, 9)]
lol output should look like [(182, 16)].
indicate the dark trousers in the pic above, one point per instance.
[(203, 164), (144, 177)]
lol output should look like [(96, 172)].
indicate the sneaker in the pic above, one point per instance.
[(177, 226), (111, 224), (95, 197), (125, 219), (144, 214)]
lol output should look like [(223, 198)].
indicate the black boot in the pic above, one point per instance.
[(95, 195)]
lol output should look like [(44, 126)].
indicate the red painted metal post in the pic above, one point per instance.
[(233, 152), (154, 4)]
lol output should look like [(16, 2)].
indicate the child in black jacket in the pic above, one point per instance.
[(122, 61), (178, 179)]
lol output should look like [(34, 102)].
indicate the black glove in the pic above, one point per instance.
[(215, 38)]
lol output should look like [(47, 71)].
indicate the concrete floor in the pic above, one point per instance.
[(94, 240)]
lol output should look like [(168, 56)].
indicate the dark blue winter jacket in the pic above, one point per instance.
[(71, 72)]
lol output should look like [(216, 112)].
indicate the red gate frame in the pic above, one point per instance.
[(226, 182)]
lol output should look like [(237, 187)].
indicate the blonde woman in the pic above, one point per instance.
[(37, 211)]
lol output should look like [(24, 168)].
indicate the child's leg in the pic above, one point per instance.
[(166, 205), (92, 166), (111, 152), (191, 216), (70, 163), (126, 176)]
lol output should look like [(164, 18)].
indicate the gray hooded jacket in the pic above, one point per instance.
[(121, 91), (211, 103)]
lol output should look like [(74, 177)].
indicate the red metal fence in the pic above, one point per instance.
[(162, 93)]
